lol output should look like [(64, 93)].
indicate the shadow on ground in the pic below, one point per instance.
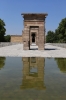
[(44, 49), (34, 49), (50, 49)]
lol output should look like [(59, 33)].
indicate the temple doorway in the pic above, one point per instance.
[(33, 45), (33, 37)]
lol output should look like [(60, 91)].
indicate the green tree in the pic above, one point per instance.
[(7, 38), (2, 30), (60, 32), (50, 37), (59, 36)]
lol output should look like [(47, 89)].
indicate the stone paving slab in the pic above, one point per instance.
[(55, 51), (17, 51)]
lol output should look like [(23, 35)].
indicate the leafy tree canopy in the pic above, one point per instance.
[(2, 30), (7, 38), (50, 37), (59, 34)]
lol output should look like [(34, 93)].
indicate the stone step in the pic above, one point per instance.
[(33, 44)]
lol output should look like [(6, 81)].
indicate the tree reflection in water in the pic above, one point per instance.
[(61, 62), (33, 73), (2, 62)]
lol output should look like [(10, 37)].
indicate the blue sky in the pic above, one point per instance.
[(10, 12)]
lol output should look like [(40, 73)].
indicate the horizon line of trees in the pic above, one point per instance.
[(59, 36)]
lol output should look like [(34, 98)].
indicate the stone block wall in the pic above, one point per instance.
[(34, 24), (36, 27), (41, 38), (26, 38), (16, 38)]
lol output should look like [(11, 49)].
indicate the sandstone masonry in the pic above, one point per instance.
[(16, 38), (34, 30)]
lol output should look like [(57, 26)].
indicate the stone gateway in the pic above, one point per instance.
[(34, 30)]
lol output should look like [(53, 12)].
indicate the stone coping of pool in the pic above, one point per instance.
[(17, 51), (3, 44), (59, 44)]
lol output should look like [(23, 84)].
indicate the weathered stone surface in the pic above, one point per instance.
[(16, 38), (34, 30), (33, 22)]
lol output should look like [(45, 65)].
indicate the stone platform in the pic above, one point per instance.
[(17, 51)]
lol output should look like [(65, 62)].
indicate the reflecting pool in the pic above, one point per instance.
[(32, 78)]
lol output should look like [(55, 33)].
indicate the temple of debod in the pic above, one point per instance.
[(33, 32)]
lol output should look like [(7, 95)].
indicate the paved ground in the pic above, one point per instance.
[(17, 51)]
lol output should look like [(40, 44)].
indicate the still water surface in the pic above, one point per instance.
[(32, 78)]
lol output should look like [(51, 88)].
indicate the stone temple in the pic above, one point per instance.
[(34, 30)]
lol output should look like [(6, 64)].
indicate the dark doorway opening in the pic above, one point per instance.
[(33, 37)]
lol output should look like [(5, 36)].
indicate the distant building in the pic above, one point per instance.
[(16, 38)]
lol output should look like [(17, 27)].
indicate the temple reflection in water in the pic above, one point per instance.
[(33, 73)]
